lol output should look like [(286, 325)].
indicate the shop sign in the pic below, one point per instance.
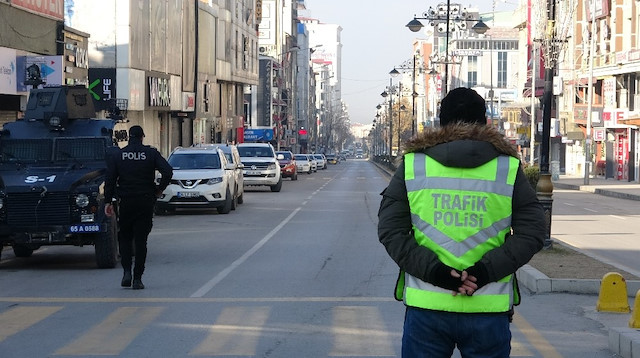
[(188, 102), (49, 8), (467, 52), (7, 71), (102, 86), (612, 117), (599, 134), (158, 90), (609, 89), (622, 157)]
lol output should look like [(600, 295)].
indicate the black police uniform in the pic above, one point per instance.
[(131, 178)]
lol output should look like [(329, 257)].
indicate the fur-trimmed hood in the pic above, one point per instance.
[(462, 145)]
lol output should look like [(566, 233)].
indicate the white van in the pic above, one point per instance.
[(261, 165)]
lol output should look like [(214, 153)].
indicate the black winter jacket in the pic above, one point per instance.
[(463, 146), (131, 171)]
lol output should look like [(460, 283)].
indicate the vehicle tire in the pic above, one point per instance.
[(106, 246), (227, 204), (294, 176), (159, 211), (234, 201), (22, 250), (276, 188), (241, 198)]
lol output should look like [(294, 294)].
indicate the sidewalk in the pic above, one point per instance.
[(623, 340), (607, 187)]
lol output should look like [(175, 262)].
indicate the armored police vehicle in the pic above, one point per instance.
[(52, 173)]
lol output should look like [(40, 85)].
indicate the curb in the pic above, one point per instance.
[(597, 190), (537, 282)]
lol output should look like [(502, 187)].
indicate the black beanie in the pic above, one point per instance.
[(463, 105), (136, 132)]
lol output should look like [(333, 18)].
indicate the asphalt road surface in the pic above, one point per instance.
[(298, 273)]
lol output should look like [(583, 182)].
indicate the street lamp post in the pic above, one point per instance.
[(414, 93), (443, 13), (482, 28), (552, 47), (384, 94)]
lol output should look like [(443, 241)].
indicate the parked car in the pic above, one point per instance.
[(202, 178), (314, 162), (322, 161), (304, 163), (288, 168), (261, 166), (332, 159), (233, 157)]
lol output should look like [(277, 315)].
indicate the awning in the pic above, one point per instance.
[(539, 88)]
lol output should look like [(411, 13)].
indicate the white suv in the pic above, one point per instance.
[(202, 178), (261, 166)]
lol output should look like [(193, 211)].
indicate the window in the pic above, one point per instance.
[(472, 73), (502, 69)]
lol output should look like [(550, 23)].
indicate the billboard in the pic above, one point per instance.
[(7, 71), (38, 72)]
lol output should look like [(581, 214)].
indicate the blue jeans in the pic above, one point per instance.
[(436, 334)]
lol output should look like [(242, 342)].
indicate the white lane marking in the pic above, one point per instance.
[(593, 211), (224, 273)]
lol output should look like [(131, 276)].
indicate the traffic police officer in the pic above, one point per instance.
[(459, 217), (131, 178)]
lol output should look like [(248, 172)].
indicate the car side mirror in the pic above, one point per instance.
[(240, 166)]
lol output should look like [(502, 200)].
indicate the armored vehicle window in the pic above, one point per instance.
[(25, 150), (45, 98), (80, 149)]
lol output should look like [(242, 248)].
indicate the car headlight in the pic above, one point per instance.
[(82, 200), (272, 166), (213, 181), (1, 203)]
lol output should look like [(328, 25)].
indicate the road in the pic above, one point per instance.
[(298, 273), (604, 227)]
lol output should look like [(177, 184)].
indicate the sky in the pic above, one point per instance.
[(374, 41)]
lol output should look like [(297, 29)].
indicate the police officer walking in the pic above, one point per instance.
[(131, 178)]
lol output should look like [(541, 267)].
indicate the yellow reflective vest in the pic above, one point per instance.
[(460, 214)]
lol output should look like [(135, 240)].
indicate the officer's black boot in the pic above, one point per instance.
[(137, 284), (126, 279)]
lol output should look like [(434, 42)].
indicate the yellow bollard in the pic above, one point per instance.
[(634, 321), (613, 294)]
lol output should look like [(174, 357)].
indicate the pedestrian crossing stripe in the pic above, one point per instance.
[(237, 330), (359, 331), (114, 334), (20, 318)]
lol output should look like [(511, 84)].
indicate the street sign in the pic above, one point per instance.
[(258, 134)]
